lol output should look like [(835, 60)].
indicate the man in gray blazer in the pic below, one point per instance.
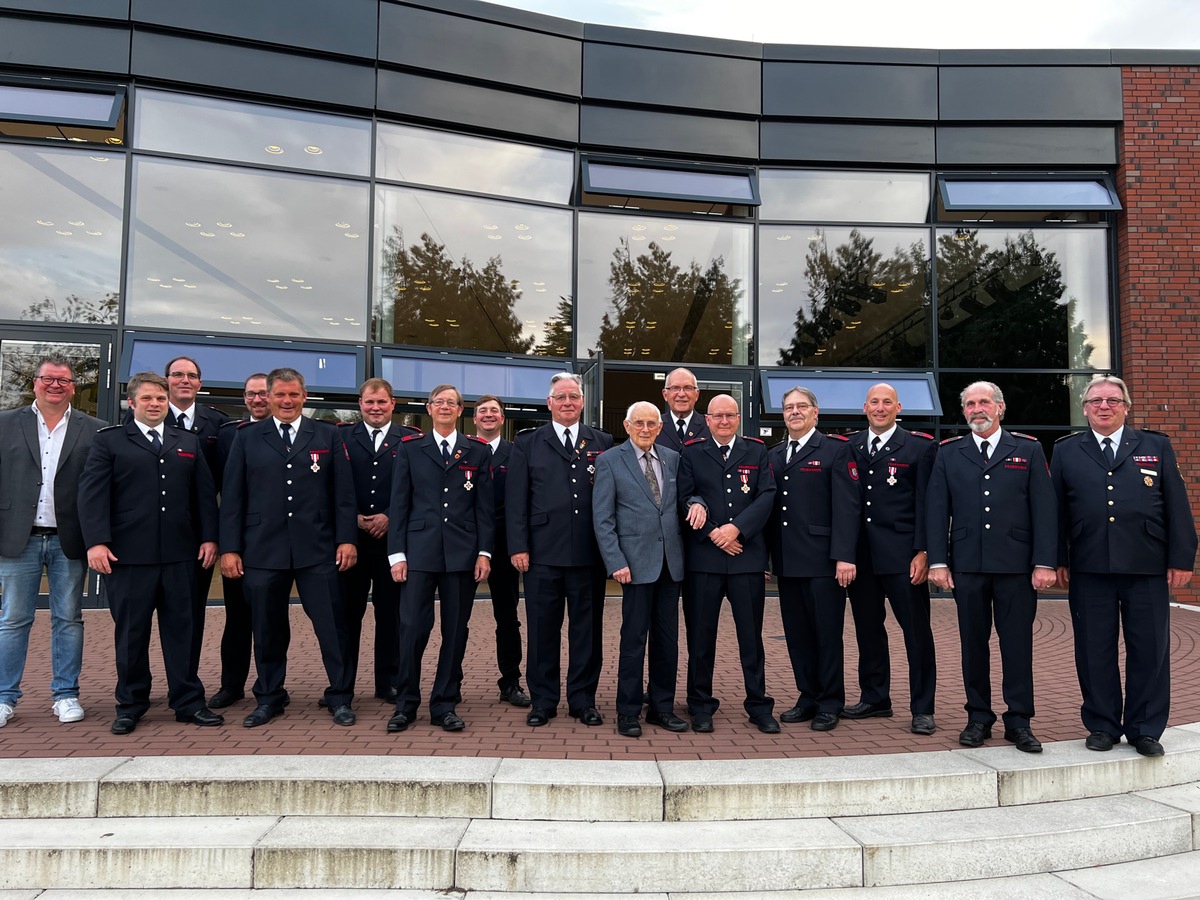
[(635, 513), (42, 451)]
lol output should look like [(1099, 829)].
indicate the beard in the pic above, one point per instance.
[(982, 424)]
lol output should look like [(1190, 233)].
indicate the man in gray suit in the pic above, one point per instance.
[(634, 510), (42, 451)]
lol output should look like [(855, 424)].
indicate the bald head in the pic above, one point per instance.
[(643, 422), (882, 406)]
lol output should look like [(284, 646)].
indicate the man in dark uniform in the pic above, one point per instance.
[(995, 487), (894, 467), (287, 515), (504, 582), (442, 520), (725, 492), (372, 445), (148, 509), (1126, 538), (236, 635), (813, 536), (548, 502), (681, 422)]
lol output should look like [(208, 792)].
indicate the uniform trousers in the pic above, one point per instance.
[(268, 592), (910, 605), (702, 611), (456, 593), (135, 594), (236, 636), (649, 610), (1102, 605), (813, 611), (371, 577), (577, 591), (504, 584), (201, 583), (1012, 601)]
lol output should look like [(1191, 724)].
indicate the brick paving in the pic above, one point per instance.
[(496, 729)]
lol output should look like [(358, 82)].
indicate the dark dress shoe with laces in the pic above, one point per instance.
[(514, 695), (798, 713), (824, 721), (667, 720), (388, 694), (539, 716), (1147, 746), (702, 723), (766, 724), (868, 711), (203, 716), (261, 716), (225, 697), (343, 715), (588, 716), (449, 722), (628, 726), (398, 722), (922, 723), (975, 734), (1099, 740), (124, 725), (1024, 740)]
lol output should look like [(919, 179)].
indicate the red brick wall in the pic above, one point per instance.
[(1158, 258)]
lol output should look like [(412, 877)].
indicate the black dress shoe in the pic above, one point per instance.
[(588, 716), (539, 716), (225, 697), (450, 722), (343, 715), (667, 720), (398, 722), (767, 724), (798, 713), (868, 711), (1145, 745), (124, 725), (1099, 740), (628, 726), (203, 716), (1024, 740), (975, 734), (261, 716), (824, 721), (388, 694), (514, 695), (702, 723), (922, 723)]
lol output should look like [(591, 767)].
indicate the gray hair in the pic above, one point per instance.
[(629, 412), (997, 394), (809, 395), (1109, 379)]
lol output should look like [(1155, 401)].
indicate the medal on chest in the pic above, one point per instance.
[(891, 476), (744, 475), (468, 472), (316, 458)]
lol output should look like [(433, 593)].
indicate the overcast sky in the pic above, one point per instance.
[(931, 24)]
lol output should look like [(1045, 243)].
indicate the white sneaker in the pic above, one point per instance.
[(6, 713), (68, 710)]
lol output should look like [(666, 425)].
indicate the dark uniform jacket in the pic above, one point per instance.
[(815, 519), (548, 497), (1004, 513), (740, 490), (373, 469), (205, 422), (442, 517), (500, 460), (1132, 519), (894, 486), (287, 509), (669, 437), (148, 509)]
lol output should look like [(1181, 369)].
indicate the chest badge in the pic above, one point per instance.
[(316, 458), (468, 485), (1149, 481), (891, 476)]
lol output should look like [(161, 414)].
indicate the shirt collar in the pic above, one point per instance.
[(190, 412), (993, 440), (560, 430), (1115, 437), (883, 438), (451, 438), (801, 441), (494, 443), (146, 429), (42, 419), (295, 426)]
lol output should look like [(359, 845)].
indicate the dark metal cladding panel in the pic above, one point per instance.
[(678, 133), (252, 69), (885, 55), (661, 40), (1035, 146), (451, 103), (832, 91), (344, 27), (433, 41), (1031, 93), (836, 142), (1081, 57), (56, 44), (685, 81), (493, 12), (93, 9)]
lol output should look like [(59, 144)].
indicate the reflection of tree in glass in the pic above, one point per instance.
[(429, 299), (663, 312), (19, 365), (556, 332), (76, 309), (841, 283)]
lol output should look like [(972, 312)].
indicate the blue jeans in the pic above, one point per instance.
[(20, 580)]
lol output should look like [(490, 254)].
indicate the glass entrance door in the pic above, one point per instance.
[(625, 385)]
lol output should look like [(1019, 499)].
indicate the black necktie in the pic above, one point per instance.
[(155, 442), (875, 445), (182, 420), (679, 429), (375, 433), (445, 452), (793, 449), (983, 451), (567, 442), (725, 452), (286, 429), (1109, 453)]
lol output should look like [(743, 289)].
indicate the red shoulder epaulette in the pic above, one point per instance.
[(1028, 437), (346, 424), (234, 422), (476, 437), (838, 437), (756, 440), (244, 423), (921, 434), (410, 437), (957, 437), (699, 440)]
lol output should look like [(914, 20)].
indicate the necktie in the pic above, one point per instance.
[(1109, 453), (375, 434), (793, 449), (445, 452), (875, 445), (725, 452), (567, 442), (183, 421), (155, 442), (983, 451), (652, 479), (286, 429), (679, 429)]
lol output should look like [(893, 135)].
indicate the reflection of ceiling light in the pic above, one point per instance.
[(351, 234), (224, 224), (179, 280), (95, 233), (904, 284), (314, 150), (112, 140), (342, 225), (667, 237), (490, 227), (781, 284), (166, 286), (783, 237), (76, 223), (524, 237), (63, 233), (281, 287), (153, 279), (659, 284), (521, 227), (878, 284), (208, 234), (192, 224), (44, 222), (961, 234), (418, 281), (815, 236), (541, 290), (306, 287), (776, 290), (273, 149), (99, 158), (255, 322), (670, 227), (190, 287), (495, 237), (638, 227), (896, 290), (539, 283), (639, 237), (297, 281), (236, 234), (272, 281)]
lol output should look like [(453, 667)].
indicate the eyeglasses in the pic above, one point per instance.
[(559, 398), (643, 425), (677, 388), (797, 407), (722, 417), (49, 380), (251, 395), (443, 403), (1095, 402), (187, 376)]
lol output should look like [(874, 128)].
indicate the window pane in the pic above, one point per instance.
[(247, 252), (18, 365), (472, 274), (60, 234), (416, 376), (845, 394), (844, 196), (664, 290), (1030, 399), (1030, 195), (1023, 299), (248, 132), (42, 104), (858, 297), (654, 181), (441, 159)]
